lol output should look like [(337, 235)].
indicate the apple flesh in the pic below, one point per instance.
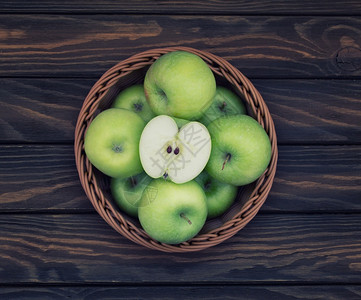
[(112, 140), (179, 84), (133, 98), (127, 192), (220, 196), (225, 103), (241, 150), (175, 154), (172, 213)]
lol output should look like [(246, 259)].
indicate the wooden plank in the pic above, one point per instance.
[(40, 110), (301, 292), (317, 179), (308, 179), (314, 111), (273, 248), (280, 7), (40, 178), (304, 111), (269, 46)]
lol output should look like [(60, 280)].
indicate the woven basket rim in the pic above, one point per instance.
[(101, 92)]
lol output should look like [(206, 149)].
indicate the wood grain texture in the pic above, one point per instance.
[(269, 46), (317, 179), (40, 110), (305, 59), (74, 249), (221, 292), (314, 111), (308, 179), (40, 178), (304, 111), (258, 7)]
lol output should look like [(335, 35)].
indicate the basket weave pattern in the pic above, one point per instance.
[(131, 71)]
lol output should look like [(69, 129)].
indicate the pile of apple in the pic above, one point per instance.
[(177, 147)]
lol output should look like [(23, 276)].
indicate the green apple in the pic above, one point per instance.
[(225, 103), (180, 122), (220, 196), (133, 98), (179, 84), (112, 140), (241, 149), (127, 192), (172, 213), (172, 153)]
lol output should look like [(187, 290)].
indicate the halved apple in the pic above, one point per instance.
[(175, 154)]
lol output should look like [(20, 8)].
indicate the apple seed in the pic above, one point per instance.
[(169, 149), (176, 151)]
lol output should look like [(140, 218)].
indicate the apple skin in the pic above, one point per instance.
[(220, 195), (180, 122), (248, 145), (127, 192), (133, 98), (112, 140), (179, 84), (172, 213), (225, 103)]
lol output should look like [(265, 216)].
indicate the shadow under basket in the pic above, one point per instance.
[(96, 185)]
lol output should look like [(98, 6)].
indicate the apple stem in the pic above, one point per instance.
[(133, 180), (185, 218), (223, 106), (226, 160), (138, 106), (207, 185), (117, 148)]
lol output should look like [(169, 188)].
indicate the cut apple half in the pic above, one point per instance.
[(175, 154)]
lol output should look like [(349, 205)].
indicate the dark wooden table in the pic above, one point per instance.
[(305, 59)]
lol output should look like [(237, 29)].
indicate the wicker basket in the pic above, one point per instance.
[(96, 185)]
